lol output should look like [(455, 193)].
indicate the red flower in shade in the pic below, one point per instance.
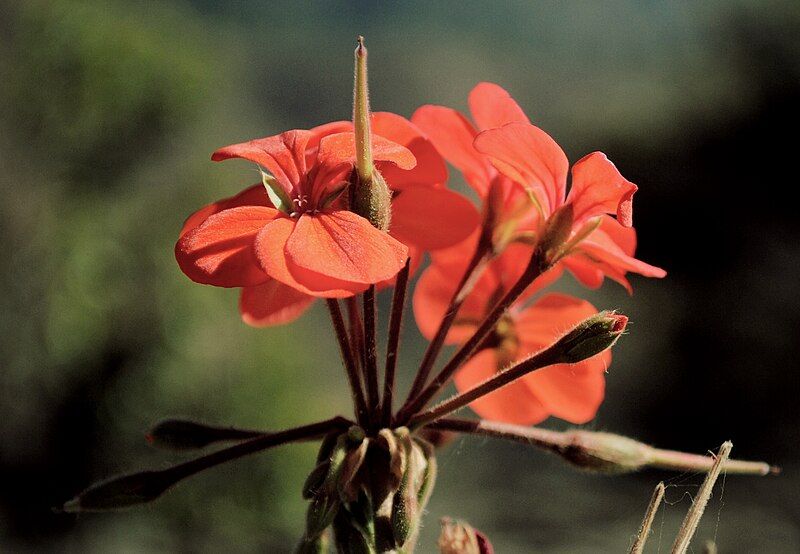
[(292, 239), (509, 152), (506, 205), (569, 391)]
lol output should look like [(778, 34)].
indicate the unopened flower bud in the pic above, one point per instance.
[(458, 537), (120, 492), (429, 478), (414, 491), (325, 503), (591, 336), (605, 452), (180, 434)]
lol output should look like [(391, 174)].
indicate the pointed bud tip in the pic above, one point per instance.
[(620, 323), (592, 336), (361, 49)]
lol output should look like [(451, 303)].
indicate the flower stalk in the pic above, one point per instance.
[(536, 266), (471, 274), (371, 353), (393, 343), (598, 451), (349, 361), (146, 486)]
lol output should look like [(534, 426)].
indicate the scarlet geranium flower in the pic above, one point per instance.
[(292, 239), (572, 392), (525, 167), (505, 203)]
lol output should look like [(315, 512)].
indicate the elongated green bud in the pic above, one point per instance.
[(370, 196), (361, 114), (325, 503)]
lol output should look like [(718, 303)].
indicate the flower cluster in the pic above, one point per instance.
[(346, 209)]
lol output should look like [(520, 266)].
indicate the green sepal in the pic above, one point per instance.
[(276, 194)]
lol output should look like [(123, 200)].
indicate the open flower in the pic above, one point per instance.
[(521, 172), (305, 239), (569, 391), (292, 239), (507, 208)]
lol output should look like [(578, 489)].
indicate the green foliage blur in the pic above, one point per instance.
[(109, 111)]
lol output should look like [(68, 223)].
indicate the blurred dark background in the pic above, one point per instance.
[(108, 113)]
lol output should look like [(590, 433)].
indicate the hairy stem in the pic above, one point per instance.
[(146, 486), (532, 271), (371, 353), (348, 360), (465, 286), (395, 325), (356, 332), (647, 522), (544, 358), (689, 525)]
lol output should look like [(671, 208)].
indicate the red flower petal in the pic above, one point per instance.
[(220, 251), (271, 253), (345, 246), (453, 136), (514, 403), (341, 148), (284, 156), (598, 188), (253, 196), (599, 245), (321, 131), (492, 106), (432, 296), (624, 237), (572, 392), (529, 156), (430, 168), (272, 303), (584, 270), (432, 218), (550, 317)]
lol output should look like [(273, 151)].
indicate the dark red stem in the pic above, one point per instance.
[(395, 324), (348, 360), (534, 269)]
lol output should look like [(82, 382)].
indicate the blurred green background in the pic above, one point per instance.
[(108, 114)]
